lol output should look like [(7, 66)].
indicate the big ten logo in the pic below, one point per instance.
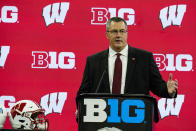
[(53, 60), (171, 62), (7, 101), (9, 14), (132, 111), (101, 15)]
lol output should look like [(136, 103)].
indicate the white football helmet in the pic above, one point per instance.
[(26, 114), (3, 115)]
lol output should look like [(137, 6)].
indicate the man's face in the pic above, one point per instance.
[(117, 35)]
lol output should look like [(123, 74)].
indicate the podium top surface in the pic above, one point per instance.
[(87, 95)]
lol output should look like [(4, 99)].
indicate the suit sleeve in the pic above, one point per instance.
[(85, 85), (157, 85)]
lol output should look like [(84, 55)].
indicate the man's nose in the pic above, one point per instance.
[(118, 33)]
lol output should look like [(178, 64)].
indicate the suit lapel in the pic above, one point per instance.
[(104, 66), (130, 68)]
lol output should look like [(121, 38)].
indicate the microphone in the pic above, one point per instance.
[(101, 79)]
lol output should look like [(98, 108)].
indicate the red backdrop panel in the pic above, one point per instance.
[(43, 61)]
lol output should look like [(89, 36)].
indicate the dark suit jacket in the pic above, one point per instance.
[(142, 74)]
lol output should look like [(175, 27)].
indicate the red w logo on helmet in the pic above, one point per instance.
[(17, 109)]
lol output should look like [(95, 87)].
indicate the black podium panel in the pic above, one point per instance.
[(101, 112)]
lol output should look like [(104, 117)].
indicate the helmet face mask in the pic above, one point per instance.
[(27, 114), (39, 122), (3, 115)]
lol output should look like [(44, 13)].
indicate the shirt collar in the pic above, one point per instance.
[(123, 52)]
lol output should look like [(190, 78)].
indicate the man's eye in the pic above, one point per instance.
[(122, 31), (114, 31)]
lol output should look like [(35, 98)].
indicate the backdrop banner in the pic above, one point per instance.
[(44, 45)]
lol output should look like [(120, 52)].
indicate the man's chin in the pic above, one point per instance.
[(118, 47)]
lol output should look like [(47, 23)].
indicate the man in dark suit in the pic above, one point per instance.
[(123, 69)]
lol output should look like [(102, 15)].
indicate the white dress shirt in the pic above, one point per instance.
[(111, 65)]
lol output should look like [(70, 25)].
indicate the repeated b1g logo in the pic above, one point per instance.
[(9, 14), (52, 60), (102, 15), (172, 62)]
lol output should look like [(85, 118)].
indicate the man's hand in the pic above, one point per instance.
[(172, 85)]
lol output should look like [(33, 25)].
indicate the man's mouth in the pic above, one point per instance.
[(118, 40)]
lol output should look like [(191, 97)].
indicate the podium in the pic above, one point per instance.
[(110, 112)]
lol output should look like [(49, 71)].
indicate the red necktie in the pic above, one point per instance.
[(116, 86)]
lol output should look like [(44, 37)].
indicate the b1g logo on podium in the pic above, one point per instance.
[(102, 15), (131, 110)]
